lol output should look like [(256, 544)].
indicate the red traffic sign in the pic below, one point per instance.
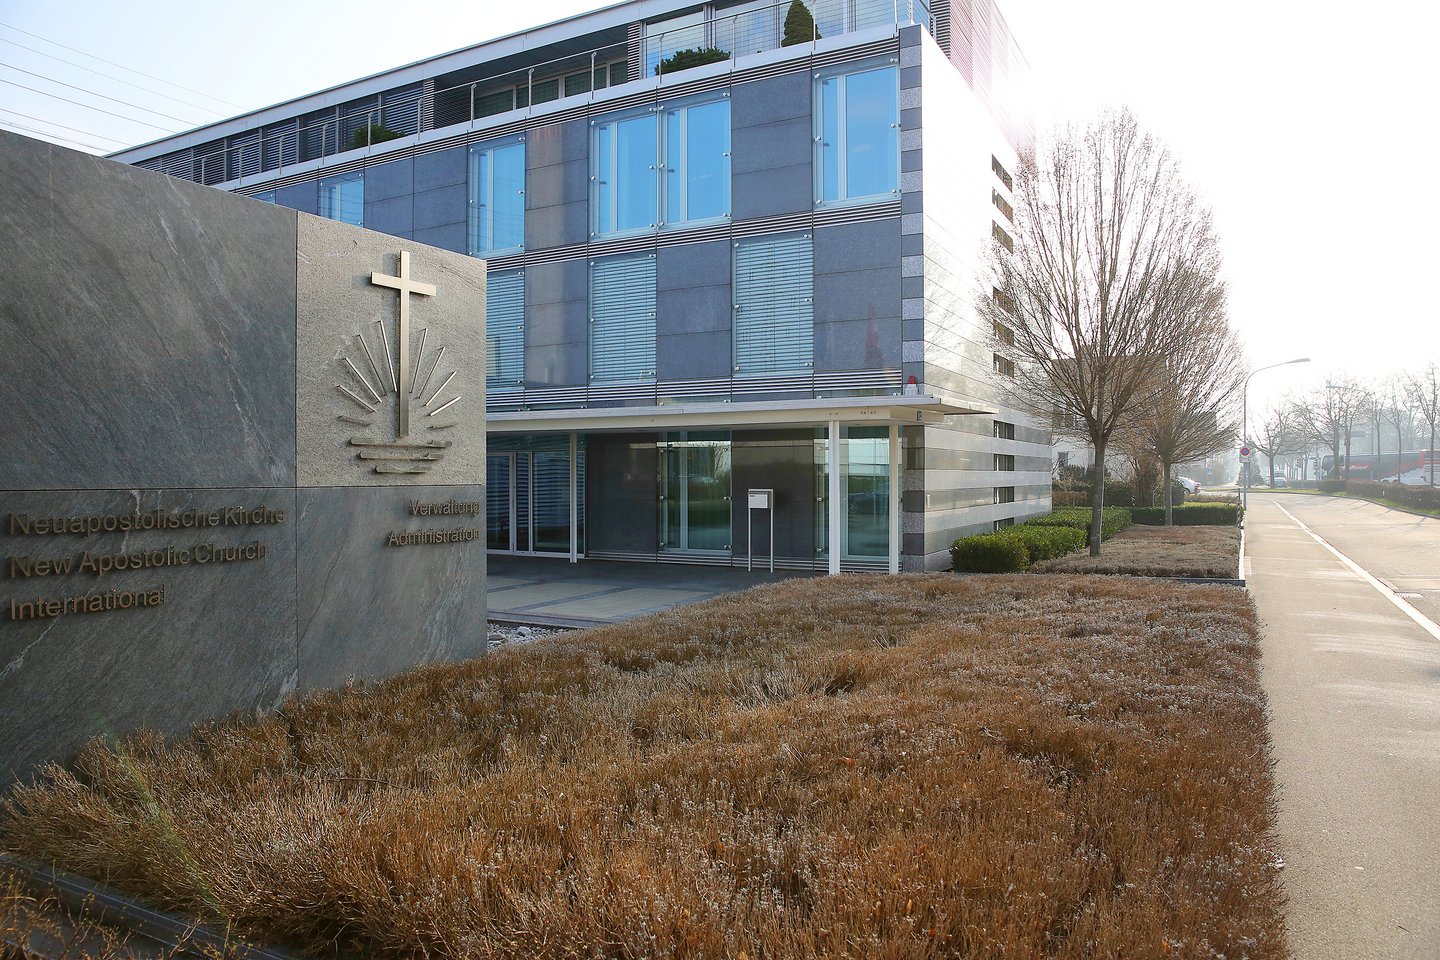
[(1245, 453)]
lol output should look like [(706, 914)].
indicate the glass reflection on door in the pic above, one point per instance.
[(499, 505), (695, 493)]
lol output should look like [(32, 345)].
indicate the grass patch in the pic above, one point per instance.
[(855, 766), (1140, 551)]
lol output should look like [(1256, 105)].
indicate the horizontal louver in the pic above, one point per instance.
[(505, 330), (774, 305), (622, 318)]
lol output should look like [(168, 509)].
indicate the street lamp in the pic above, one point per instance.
[(1245, 421)]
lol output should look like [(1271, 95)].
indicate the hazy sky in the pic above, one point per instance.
[(1308, 127)]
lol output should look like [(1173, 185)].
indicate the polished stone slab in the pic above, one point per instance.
[(221, 639), (148, 326)]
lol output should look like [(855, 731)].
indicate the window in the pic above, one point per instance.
[(497, 198), (1002, 205), (857, 135), (697, 162), (343, 198), (1001, 237), (1004, 494), (505, 330), (1003, 365), (1004, 302), (1003, 430), (1005, 462), (1004, 334), (1002, 523), (688, 140), (774, 304), (622, 318), (999, 170)]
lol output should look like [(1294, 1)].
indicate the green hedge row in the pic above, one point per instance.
[(1190, 515), (1013, 548), (1112, 520), (1411, 495)]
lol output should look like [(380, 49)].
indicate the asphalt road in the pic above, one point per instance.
[(1354, 690)]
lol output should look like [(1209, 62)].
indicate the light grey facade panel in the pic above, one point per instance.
[(443, 168), (693, 356), (395, 216), (386, 181), (448, 237), (444, 205)]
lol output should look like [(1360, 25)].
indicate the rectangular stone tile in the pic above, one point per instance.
[(370, 608), (624, 604), (528, 595)]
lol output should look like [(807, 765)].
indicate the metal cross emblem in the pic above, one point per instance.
[(405, 285)]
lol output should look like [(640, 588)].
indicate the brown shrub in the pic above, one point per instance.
[(856, 766), (1159, 552)]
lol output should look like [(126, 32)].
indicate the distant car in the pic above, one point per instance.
[(1419, 477), (1280, 481), (1191, 487)]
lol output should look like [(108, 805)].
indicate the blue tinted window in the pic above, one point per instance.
[(343, 198), (497, 198), (697, 162), (624, 161), (858, 133)]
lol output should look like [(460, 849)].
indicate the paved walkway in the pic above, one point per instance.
[(555, 592), (1354, 688)]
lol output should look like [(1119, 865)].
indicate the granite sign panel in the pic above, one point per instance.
[(243, 453)]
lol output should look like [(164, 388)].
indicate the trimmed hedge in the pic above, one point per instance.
[(1331, 486), (1112, 520), (989, 553), (1013, 548), (1408, 494), (1189, 515)]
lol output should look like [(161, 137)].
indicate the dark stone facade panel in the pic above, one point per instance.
[(784, 461), (693, 356), (554, 143), (874, 245), (442, 169), (557, 364), (770, 193), (223, 639), (770, 100), (386, 181), (558, 225), (696, 310), (445, 205), (620, 472), (771, 146), (395, 216), (688, 265), (564, 282), (426, 599), (450, 237), (870, 344), (162, 279)]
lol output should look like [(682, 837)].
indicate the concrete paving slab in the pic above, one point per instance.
[(624, 604)]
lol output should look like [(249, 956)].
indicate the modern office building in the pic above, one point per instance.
[(731, 246)]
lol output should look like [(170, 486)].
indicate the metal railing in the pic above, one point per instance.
[(654, 52)]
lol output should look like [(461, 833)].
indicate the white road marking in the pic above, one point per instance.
[(1425, 623)]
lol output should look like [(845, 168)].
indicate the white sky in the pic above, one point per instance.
[(1309, 127)]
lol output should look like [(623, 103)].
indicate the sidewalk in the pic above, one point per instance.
[(1354, 690)]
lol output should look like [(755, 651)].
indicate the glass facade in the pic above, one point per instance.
[(496, 215), (774, 326), (527, 496), (622, 318), (697, 162), (343, 198), (505, 330), (857, 135), (865, 487)]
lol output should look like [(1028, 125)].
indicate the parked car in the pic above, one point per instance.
[(1418, 477), (1191, 487), (1280, 481)]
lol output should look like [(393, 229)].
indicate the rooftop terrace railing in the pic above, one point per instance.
[(659, 50)]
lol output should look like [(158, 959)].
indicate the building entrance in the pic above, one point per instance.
[(527, 502), (695, 494)]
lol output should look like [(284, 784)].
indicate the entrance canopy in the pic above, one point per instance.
[(899, 411)]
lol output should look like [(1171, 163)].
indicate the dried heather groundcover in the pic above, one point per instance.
[(1158, 552), (894, 767)]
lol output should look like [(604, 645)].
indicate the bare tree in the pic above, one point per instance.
[(1279, 434), (1424, 391), (1327, 414), (1112, 259), (1393, 404)]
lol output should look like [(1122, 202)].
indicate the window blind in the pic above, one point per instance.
[(774, 304), (505, 330), (622, 318)]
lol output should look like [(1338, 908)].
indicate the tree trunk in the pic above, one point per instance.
[(1097, 500), (1169, 495), (1431, 454)]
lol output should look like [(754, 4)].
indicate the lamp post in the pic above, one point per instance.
[(1245, 421)]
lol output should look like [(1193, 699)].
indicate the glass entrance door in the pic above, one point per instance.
[(695, 494), (527, 502)]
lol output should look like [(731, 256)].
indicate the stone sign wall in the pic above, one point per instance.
[(244, 453)]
